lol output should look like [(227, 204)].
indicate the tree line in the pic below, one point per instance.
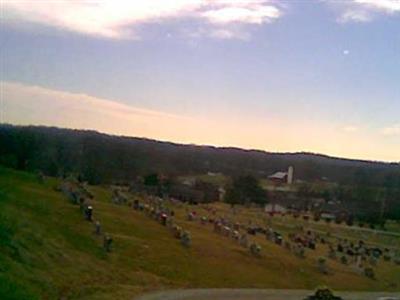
[(101, 158)]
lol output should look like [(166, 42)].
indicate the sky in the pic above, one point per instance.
[(319, 76)]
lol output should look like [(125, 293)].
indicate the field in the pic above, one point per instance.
[(48, 250)]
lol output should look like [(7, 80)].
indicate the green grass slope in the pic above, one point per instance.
[(48, 251)]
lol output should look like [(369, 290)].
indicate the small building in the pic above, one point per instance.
[(327, 216), (190, 181), (273, 209), (278, 177), (282, 177)]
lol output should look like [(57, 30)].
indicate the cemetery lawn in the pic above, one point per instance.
[(48, 251)]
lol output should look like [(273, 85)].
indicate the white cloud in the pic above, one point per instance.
[(249, 13), (224, 34), (350, 128), (217, 33), (120, 18), (355, 15), (393, 130), (389, 6), (364, 10)]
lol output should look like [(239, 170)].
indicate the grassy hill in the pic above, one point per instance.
[(48, 251)]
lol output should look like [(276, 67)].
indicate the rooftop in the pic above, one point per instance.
[(278, 175)]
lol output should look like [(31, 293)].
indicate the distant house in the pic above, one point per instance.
[(278, 177), (191, 181), (282, 177)]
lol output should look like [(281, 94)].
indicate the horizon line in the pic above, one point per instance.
[(227, 147)]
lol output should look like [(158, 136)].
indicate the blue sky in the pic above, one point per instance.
[(321, 76)]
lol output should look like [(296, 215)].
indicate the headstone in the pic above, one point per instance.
[(186, 239), (97, 226), (244, 241), (89, 213), (164, 219), (373, 260), (322, 265), (107, 243), (255, 249)]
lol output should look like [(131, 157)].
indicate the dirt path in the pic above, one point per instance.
[(258, 294)]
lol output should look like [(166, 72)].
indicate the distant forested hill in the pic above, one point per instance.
[(102, 158)]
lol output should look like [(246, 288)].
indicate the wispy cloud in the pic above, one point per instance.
[(355, 15), (250, 12), (223, 34), (120, 19), (217, 33), (364, 10), (27, 104), (35, 105), (393, 130), (389, 6), (350, 128)]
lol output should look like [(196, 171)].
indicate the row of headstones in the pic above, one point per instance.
[(308, 240), (298, 245), (324, 268), (274, 237), (157, 211), (78, 194), (290, 244), (363, 264), (118, 197), (322, 261), (228, 229), (350, 253), (322, 264), (271, 235), (311, 240), (222, 227), (361, 253)]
